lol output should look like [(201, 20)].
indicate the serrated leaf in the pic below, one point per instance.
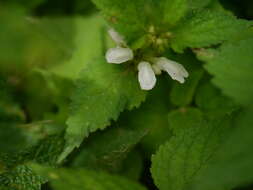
[(231, 66), (179, 160), (44, 143), (21, 178), (206, 28), (109, 89), (65, 179), (232, 165), (46, 152), (108, 149)]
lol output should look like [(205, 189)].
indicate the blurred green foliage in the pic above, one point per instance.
[(69, 120)]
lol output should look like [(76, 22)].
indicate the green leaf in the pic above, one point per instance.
[(197, 4), (48, 150), (195, 141), (103, 91), (212, 102), (55, 95), (65, 179), (88, 40), (10, 109), (11, 115), (133, 166), (108, 149), (16, 138), (182, 95), (152, 116), (27, 42), (27, 4), (233, 164), (216, 5), (129, 18), (206, 28), (21, 178), (174, 10), (231, 66), (44, 143)]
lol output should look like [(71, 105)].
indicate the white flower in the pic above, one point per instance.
[(119, 55), (117, 38), (174, 69), (146, 71), (146, 76)]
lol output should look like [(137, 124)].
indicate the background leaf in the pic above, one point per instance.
[(108, 150), (21, 178), (28, 42), (62, 179), (196, 139), (197, 4), (232, 165), (231, 66)]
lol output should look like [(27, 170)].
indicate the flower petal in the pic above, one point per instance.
[(146, 76), (117, 38), (119, 55), (174, 69)]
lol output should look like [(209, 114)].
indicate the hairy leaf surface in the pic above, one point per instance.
[(231, 66), (103, 91), (206, 28), (178, 161)]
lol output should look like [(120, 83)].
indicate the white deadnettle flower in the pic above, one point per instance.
[(117, 38), (174, 69), (146, 76), (119, 55), (146, 71)]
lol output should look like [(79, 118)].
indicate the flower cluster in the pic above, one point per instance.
[(147, 70)]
